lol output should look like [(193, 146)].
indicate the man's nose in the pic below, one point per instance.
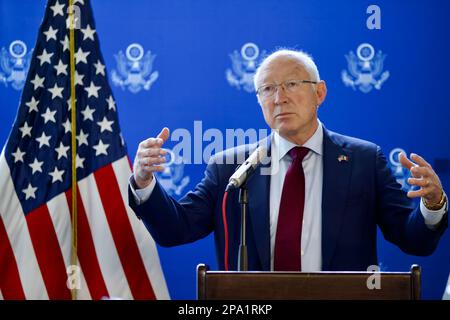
[(280, 95)]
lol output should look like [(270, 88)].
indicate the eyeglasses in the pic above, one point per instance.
[(268, 90)]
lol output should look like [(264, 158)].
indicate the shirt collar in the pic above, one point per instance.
[(315, 143)]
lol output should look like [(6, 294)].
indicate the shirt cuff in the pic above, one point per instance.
[(142, 195), (433, 217)]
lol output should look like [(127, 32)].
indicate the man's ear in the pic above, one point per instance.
[(321, 92), (259, 101)]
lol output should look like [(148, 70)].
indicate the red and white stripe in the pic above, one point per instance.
[(116, 254)]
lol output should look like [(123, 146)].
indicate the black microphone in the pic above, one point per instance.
[(244, 171)]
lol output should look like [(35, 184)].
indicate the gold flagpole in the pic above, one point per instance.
[(74, 256)]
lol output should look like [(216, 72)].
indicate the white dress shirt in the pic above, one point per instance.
[(311, 241)]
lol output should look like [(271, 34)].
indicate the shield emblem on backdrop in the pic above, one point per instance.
[(364, 69), (243, 67), (134, 69)]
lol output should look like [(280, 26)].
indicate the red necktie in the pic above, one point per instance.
[(290, 217)]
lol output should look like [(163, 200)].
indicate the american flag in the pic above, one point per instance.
[(117, 256)]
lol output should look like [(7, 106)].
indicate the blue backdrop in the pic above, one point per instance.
[(203, 53)]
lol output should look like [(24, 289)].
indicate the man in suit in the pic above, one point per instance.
[(319, 207)]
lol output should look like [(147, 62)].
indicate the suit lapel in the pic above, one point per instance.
[(337, 169), (258, 190)]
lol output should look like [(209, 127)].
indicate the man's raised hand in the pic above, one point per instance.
[(149, 158)]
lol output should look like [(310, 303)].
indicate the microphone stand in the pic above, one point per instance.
[(243, 256)]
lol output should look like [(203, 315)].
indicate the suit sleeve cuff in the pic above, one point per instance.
[(141, 195), (433, 217)]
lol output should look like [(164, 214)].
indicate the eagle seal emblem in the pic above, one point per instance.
[(134, 69), (365, 69), (244, 66), (172, 179), (14, 64)]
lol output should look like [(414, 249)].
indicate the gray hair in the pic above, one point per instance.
[(303, 59)]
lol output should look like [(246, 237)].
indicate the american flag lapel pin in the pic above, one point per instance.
[(342, 157)]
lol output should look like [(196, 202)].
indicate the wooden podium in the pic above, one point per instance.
[(257, 285)]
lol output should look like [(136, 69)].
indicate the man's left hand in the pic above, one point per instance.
[(424, 177)]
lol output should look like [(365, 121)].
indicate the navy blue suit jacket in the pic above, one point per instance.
[(358, 195)]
